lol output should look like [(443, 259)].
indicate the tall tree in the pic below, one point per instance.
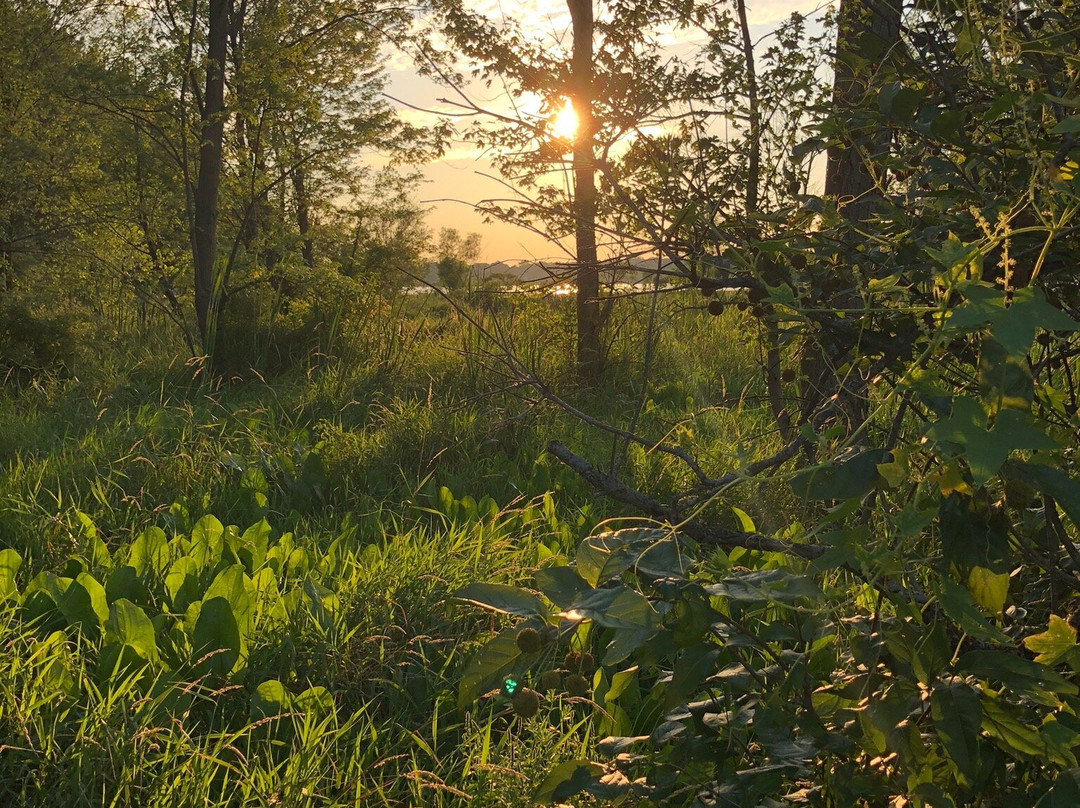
[(205, 196), (589, 353)]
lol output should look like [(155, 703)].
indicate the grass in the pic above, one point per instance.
[(387, 479)]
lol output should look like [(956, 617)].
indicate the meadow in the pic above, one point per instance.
[(240, 592)]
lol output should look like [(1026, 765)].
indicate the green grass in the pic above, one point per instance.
[(388, 479)]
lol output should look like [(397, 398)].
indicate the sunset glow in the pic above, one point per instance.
[(564, 123)]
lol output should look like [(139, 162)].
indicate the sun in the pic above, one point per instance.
[(563, 125)]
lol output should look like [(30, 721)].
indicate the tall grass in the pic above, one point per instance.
[(347, 455)]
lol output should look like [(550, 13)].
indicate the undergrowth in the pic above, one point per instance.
[(369, 493)]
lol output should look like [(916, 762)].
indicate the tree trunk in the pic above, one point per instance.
[(589, 355), (867, 31), (208, 186)]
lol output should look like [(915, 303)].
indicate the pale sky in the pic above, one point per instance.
[(464, 177)]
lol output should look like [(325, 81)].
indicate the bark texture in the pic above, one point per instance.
[(208, 184), (868, 30)]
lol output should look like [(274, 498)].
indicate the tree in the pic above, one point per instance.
[(281, 100), (455, 257), (868, 35), (589, 321), (602, 76), (205, 194), (911, 642)]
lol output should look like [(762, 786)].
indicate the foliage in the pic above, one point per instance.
[(910, 638), (455, 256), (101, 146)]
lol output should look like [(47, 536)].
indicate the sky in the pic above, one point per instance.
[(453, 185)]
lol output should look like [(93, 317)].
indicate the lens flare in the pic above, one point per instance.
[(564, 123)]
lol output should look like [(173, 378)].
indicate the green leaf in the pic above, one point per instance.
[(1066, 790), (692, 616), (236, 588), (948, 124), (620, 682), (1007, 379), (765, 585), (42, 597), (1010, 734), (653, 552), (617, 607), (207, 542), (1054, 644), (590, 559), (961, 608), (10, 561), (128, 626), (98, 553), (84, 605), (987, 449), (253, 544), (561, 585), (503, 599), (316, 700), (322, 602), (970, 536), (957, 717), (495, 659), (692, 667), (123, 582), (182, 583), (1067, 126), (898, 102), (1055, 484), (989, 589), (150, 552), (269, 699), (746, 524), (624, 642), (953, 253), (216, 640), (1022, 675), (852, 477), (1015, 325), (567, 779)]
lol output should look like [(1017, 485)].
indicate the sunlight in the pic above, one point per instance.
[(563, 124)]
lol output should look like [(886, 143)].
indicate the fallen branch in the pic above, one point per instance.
[(699, 531)]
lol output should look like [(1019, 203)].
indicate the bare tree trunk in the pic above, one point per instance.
[(753, 166), (589, 356), (208, 185), (773, 382)]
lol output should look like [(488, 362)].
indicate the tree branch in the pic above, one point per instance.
[(699, 531)]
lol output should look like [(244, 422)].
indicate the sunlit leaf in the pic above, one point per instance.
[(1054, 644), (503, 599)]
